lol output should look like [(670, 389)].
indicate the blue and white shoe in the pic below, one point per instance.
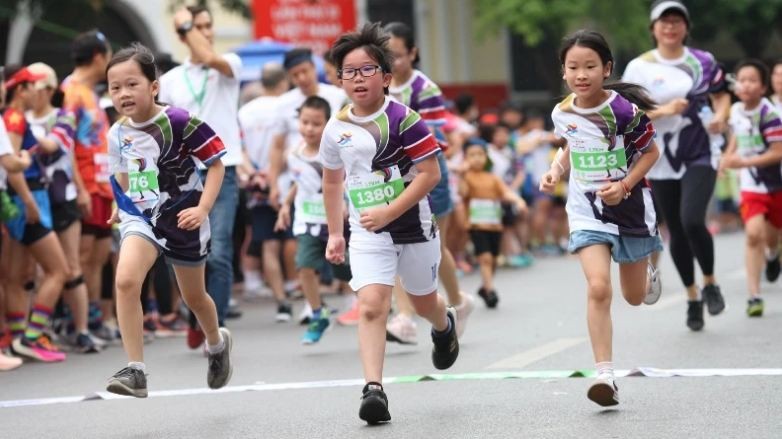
[(317, 327)]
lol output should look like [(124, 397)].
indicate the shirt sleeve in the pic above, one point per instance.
[(329, 150), (714, 73), (417, 141), (771, 127), (235, 62), (5, 142), (64, 130), (201, 141), (431, 105), (639, 132), (117, 163), (14, 122)]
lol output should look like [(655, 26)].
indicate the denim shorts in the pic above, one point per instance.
[(440, 197), (624, 249)]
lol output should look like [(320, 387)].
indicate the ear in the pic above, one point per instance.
[(155, 88), (387, 79), (607, 69)]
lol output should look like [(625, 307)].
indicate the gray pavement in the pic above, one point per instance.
[(538, 326)]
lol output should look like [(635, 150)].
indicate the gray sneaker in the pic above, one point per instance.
[(220, 368), (130, 382), (603, 391), (655, 287)]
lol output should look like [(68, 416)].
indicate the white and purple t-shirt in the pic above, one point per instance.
[(683, 138), (605, 142), (423, 96), (755, 130), (378, 153), (309, 211)]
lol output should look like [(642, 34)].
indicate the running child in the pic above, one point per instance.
[(609, 149), (385, 154), (162, 208), (756, 148), (309, 219), (482, 193)]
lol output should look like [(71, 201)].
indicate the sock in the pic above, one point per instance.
[(138, 365), (771, 255), (316, 313), (605, 367), (447, 331), (39, 319), (17, 322), (216, 349)]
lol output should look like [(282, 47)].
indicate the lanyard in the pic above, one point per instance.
[(199, 97)]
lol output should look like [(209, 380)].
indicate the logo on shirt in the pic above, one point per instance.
[(344, 139), (127, 143), (572, 129), (658, 81)]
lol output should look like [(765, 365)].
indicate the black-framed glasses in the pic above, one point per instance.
[(366, 71)]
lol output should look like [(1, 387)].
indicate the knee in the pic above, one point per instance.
[(755, 238), (372, 309), (693, 226), (424, 305), (634, 300), (127, 284), (599, 291)]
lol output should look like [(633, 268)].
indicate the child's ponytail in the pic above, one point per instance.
[(633, 93)]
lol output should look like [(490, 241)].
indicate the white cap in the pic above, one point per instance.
[(660, 7), (50, 80)]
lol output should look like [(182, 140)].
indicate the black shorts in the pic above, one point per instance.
[(65, 214), (263, 219), (509, 215), (32, 233), (486, 242)]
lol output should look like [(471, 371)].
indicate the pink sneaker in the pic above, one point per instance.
[(40, 349), (401, 329), (9, 363), (349, 317)]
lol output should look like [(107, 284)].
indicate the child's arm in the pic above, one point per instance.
[(560, 166), (509, 196), (771, 156), (16, 162), (428, 176), (728, 159), (284, 215), (614, 192), (333, 198), (192, 218)]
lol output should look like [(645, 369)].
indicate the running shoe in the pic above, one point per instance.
[(234, 310), (712, 295), (603, 391), (171, 327), (349, 317), (402, 329), (40, 349), (463, 312), (306, 314), (104, 332), (220, 367), (755, 307), (446, 346), (284, 312), (84, 344), (8, 362), (655, 287), (316, 328), (129, 381), (195, 337), (489, 297), (773, 268), (695, 314), (522, 260), (374, 404)]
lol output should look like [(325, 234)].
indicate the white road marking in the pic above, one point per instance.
[(536, 354)]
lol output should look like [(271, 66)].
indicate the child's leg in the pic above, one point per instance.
[(596, 264), (486, 262), (310, 286), (77, 298), (136, 257), (447, 270), (192, 285), (772, 241), (272, 269), (374, 303), (755, 229), (431, 307), (634, 280)]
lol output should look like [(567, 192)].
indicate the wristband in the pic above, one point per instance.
[(626, 189)]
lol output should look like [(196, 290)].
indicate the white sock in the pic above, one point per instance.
[(771, 255), (216, 349), (137, 365), (605, 367)]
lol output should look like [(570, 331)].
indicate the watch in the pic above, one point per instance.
[(184, 28)]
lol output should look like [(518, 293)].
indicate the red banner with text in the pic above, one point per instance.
[(311, 23)]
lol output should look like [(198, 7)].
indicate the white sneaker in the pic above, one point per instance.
[(463, 311), (306, 314), (655, 287), (603, 391), (401, 329)]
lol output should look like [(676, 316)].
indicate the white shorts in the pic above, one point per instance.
[(186, 248), (375, 259)]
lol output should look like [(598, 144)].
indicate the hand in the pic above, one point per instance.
[(676, 106), (521, 207), (32, 214), (192, 218), (114, 217), (732, 161), (716, 126), (25, 158), (335, 249), (612, 194), (84, 201), (274, 198), (375, 218), (283, 219), (182, 16), (549, 180)]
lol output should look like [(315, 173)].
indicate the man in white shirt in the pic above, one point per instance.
[(207, 85)]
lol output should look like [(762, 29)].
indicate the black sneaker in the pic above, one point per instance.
[(284, 312), (446, 346), (713, 297), (374, 404), (130, 382), (489, 297), (220, 368), (695, 314), (773, 268), (84, 344)]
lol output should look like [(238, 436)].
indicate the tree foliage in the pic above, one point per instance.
[(237, 6)]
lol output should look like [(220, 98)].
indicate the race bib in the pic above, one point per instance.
[(313, 211), (102, 172), (483, 211), (380, 187), (143, 186), (598, 165)]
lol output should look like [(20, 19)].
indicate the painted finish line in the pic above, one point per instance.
[(649, 372)]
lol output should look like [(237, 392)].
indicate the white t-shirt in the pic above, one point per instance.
[(219, 100), (605, 142), (256, 120), (287, 111), (755, 131), (5, 149), (310, 213), (682, 138), (59, 165)]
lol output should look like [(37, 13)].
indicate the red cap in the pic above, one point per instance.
[(22, 76)]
